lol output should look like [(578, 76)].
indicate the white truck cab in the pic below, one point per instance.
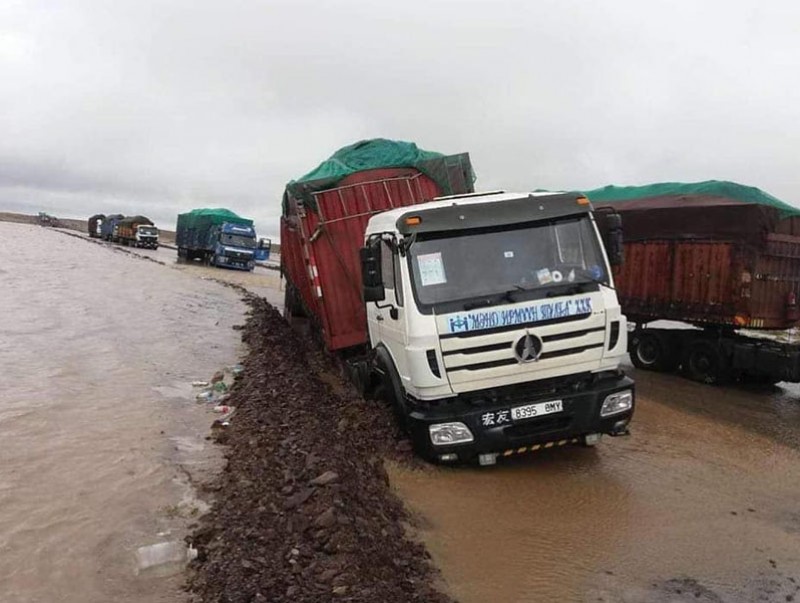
[(494, 324), (147, 236)]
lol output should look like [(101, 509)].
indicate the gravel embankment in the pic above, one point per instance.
[(304, 511)]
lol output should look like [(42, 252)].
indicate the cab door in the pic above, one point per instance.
[(390, 314)]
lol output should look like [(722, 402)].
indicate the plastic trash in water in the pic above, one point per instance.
[(206, 396), (220, 386), (200, 384), (164, 558), (223, 408), (237, 369)]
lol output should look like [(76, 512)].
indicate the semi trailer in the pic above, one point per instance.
[(218, 237), (721, 262), (489, 322)]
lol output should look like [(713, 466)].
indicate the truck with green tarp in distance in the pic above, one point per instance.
[(720, 262), (216, 236)]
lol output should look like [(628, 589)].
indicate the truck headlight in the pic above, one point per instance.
[(616, 403), (443, 434)]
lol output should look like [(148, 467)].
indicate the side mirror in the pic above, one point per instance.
[(614, 240), (371, 276)]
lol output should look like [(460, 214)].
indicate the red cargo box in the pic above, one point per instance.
[(320, 245), (709, 261)]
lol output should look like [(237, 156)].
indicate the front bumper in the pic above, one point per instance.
[(580, 416), (225, 261)]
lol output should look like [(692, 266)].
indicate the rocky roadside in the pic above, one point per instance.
[(304, 511)]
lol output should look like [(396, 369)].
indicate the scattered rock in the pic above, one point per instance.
[(326, 478), (298, 498), (303, 513), (326, 519)]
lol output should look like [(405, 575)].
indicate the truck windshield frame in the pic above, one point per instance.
[(148, 230), (235, 240), (461, 270)]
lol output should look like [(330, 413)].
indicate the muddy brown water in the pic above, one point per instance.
[(701, 503), (99, 429)]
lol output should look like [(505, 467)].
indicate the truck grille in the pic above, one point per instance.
[(470, 356)]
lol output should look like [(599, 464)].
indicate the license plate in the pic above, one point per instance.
[(536, 410)]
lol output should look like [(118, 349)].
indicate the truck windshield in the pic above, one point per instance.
[(148, 230), (534, 257), (238, 241)]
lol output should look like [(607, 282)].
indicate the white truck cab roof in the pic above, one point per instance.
[(387, 221)]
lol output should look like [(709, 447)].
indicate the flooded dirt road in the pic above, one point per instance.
[(98, 423), (701, 503)]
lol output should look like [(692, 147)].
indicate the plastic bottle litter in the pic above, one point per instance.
[(237, 368), (220, 386), (164, 558), (223, 408), (207, 396), (200, 384)]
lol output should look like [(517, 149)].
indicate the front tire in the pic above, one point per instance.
[(652, 352)]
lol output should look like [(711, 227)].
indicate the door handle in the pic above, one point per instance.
[(379, 317)]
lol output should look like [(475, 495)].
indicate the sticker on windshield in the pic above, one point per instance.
[(492, 319), (431, 269), (544, 276)]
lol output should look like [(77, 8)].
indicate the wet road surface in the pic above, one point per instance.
[(99, 428), (701, 503)]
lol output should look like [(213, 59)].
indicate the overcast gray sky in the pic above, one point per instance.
[(139, 106)]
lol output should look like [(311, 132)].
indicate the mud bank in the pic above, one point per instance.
[(304, 510)]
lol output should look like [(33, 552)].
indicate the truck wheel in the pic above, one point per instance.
[(652, 352), (704, 362), (390, 390), (291, 303)]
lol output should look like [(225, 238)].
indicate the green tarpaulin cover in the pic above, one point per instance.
[(709, 188), (369, 155), (380, 153), (217, 215)]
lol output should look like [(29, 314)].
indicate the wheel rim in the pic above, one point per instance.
[(648, 351)]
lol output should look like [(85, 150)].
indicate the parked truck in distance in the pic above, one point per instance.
[(722, 259), (136, 231), (489, 322), (94, 225), (218, 237)]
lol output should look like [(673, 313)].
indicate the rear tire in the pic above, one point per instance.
[(705, 362), (292, 304)]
